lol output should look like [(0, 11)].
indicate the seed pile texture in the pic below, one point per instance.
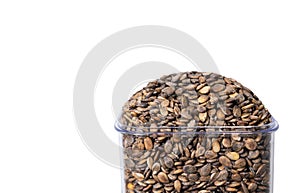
[(171, 147), (194, 99)]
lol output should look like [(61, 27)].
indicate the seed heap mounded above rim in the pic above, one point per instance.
[(191, 99)]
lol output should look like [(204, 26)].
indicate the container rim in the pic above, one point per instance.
[(201, 130)]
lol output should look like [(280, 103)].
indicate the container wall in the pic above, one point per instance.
[(197, 163)]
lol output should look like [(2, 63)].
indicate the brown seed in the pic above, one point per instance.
[(165, 103), (223, 175), (244, 187), (216, 146), (236, 177), (168, 162), (219, 183), (184, 101), (176, 111), (248, 106), (255, 161), (226, 142), (210, 154), (232, 155), (201, 109), (204, 90), (192, 123), (150, 162), (128, 140), (204, 178), (250, 144), (177, 185), (237, 146), (237, 111), (157, 186), (261, 169), (244, 117), (252, 117), (176, 138), (220, 115), (185, 114), (172, 177), (179, 91), (168, 146), (156, 168), (236, 137), (240, 163), (234, 184), (182, 178), (229, 189), (211, 188), (140, 145), (190, 87), (233, 95), (203, 99), (212, 112), (253, 154), (138, 176), (203, 116), (205, 170), (218, 87), (178, 171), (263, 188), (225, 161), (163, 111), (168, 91), (148, 143), (204, 191), (200, 151), (252, 186), (187, 152), (193, 177), (213, 98), (258, 137), (202, 79), (162, 177), (150, 181), (189, 169)]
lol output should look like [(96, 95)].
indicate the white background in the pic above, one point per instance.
[(43, 44)]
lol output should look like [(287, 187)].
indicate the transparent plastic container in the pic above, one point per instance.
[(206, 159)]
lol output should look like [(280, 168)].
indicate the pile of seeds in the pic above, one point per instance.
[(162, 152)]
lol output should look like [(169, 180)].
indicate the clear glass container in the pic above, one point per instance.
[(207, 159)]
